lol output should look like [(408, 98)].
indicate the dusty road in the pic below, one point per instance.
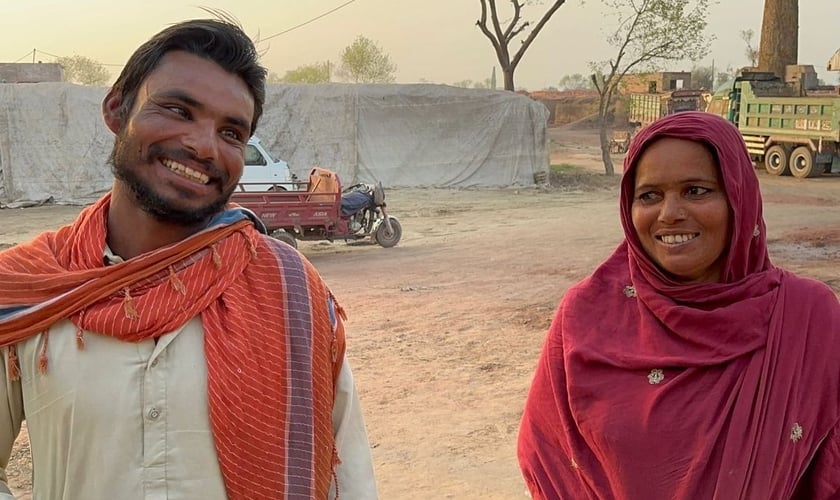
[(444, 330)]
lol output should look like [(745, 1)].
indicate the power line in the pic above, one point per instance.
[(345, 4), (31, 52), (34, 52), (46, 53)]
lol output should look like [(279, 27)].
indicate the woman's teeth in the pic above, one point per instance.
[(676, 238)]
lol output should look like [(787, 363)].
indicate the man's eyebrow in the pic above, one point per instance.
[(182, 96), (187, 99)]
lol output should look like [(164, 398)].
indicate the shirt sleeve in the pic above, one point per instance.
[(355, 472), (11, 418)]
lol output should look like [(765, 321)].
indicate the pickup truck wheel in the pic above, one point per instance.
[(285, 237), (803, 164), (276, 188), (776, 160), (386, 238)]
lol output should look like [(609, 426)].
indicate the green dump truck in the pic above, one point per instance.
[(787, 133)]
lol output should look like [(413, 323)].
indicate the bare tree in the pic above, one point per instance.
[(501, 37), (779, 44), (702, 77), (751, 51), (648, 33), (83, 70)]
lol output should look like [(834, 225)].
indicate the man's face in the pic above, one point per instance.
[(180, 150)]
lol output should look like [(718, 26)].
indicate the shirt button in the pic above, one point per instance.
[(154, 362), (154, 413)]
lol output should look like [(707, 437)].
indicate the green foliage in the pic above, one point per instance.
[(308, 73), (566, 168), (83, 70), (575, 82), (647, 34), (364, 61)]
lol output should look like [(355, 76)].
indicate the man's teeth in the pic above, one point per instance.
[(670, 239), (185, 171)]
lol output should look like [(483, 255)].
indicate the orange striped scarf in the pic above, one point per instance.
[(273, 342)]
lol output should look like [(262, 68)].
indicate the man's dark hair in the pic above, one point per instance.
[(219, 41)]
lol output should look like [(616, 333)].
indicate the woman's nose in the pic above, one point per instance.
[(672, 209)]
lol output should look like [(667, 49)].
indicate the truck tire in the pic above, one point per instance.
[(803, 164), (776, 160), (285, 237)]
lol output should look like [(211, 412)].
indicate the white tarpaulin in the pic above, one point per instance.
[(54, 145)]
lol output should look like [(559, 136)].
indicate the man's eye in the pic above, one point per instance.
[(232, 134), (178, 110)]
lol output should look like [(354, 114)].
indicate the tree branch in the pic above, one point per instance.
[(482, 25), (509, 32), (527, 43)]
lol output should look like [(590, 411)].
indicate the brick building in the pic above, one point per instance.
[(661, 81)]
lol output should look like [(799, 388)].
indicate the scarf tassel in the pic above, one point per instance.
[(176, 282), (216, 256), (13, 368), (42, 356), (80, 339), (336, 461), (252, 246), (128, 305)]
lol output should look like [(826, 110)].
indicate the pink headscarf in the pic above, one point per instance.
[(648, 388)]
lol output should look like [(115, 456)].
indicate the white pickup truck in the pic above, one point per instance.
[(263, 172)]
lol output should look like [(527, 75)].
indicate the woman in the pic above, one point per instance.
[(688, 366)]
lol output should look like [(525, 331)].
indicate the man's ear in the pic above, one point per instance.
[(112, 110)]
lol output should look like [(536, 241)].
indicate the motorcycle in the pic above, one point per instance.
[(320, 210), (364, 207)]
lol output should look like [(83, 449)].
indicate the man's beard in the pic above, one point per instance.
[(125, 153)]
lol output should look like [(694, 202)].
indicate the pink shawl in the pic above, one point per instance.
[(647, 388)]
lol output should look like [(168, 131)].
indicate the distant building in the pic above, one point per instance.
[(567, 106), (31, 72), (661, 81)]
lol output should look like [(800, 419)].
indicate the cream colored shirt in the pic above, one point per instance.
[(129, 421)]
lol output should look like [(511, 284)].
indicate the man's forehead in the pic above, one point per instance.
[(202, 80)]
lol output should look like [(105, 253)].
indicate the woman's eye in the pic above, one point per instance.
[(647, 197), (698, 190)]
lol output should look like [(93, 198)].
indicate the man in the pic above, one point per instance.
[(160, 346)]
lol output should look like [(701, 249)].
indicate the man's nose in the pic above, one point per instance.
[(202, 141)]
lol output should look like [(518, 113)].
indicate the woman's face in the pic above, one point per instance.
[(680, 210)]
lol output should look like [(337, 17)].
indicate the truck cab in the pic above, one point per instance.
[(262, 171)]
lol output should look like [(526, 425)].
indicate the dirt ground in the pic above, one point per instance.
[(444, 330)]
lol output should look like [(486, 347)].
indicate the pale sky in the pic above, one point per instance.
[(429, 40)]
